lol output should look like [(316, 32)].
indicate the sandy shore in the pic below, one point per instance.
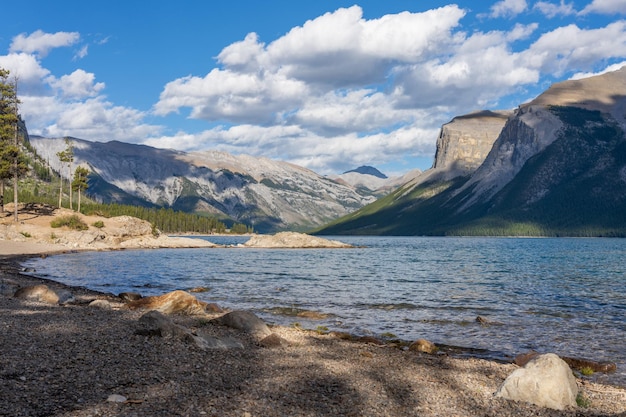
[(69, 360)]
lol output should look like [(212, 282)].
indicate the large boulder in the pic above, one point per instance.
[(39, 293), (175, 302), (546, 381), (292, 240), (246, 321), (154, 323)]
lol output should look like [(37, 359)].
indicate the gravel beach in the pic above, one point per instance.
[(76, 360)]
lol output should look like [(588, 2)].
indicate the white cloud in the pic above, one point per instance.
[(235, 96), (508, 8), (41, 43), (98, 119), (610, 68), (338, 113), (79, 84), (338, 50), (551, 10), (303, 147), (605, 7), (30, 74), (571, 47), (342, 49), (81, 53)]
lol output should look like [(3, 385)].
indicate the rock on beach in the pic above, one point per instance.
[(175, 302), (292, 240), (546, 381)]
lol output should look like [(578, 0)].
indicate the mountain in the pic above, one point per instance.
[(269, 195), (367, 170), (370, 181), (557, 167)]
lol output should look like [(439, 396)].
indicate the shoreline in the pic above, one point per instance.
[(312, 374)]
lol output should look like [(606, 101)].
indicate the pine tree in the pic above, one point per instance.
[(11, 160), (80, 181)]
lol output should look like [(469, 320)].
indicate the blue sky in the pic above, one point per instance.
[(329, 85)]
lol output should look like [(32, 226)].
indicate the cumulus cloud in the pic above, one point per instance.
[(261, 83), (508, 8), (29, 72), (572, 47), (605, 7), (300, 146), (41, 43), (98, 119), (551, 10), (79, 84)]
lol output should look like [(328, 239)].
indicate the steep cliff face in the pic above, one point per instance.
[(270, 195), (527, 133), (463, 143)]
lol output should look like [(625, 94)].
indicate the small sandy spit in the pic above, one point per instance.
[(83, 358)]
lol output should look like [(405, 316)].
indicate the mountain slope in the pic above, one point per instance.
[(558, 167), (266, 194)]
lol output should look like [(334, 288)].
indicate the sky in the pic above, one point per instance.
[(329, 85)]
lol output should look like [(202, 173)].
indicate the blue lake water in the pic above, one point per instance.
[(566, 296)]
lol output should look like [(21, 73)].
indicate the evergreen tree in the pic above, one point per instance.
[(80, 181), (11, 161)]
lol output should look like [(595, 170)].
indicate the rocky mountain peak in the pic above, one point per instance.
[(464, 142)]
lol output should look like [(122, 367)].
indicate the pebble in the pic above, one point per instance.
[(116, 398)]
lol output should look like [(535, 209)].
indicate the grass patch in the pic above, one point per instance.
[(586, 371), (321, 329), (99, 224), (72, 222), (582, 401), (26, 234)]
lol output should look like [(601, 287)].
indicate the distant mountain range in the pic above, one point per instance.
[(268, 195), (556, 166)]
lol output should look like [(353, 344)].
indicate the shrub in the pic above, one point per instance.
[(99, 224), (73, 222), (582, 401), (25, 234), (586, 371)]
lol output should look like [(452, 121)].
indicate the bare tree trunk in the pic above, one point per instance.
[(60, 188), (79, 200), (15, 194), (15, 161), (1, 196), (69, 167)]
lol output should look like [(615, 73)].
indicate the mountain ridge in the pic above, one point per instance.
[(556, 168), (269, 195)]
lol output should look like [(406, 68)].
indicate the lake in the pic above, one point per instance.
[(566, 296)]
